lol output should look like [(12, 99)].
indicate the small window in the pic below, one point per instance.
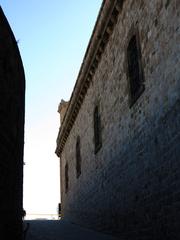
[(78, 157), (66, 178), (135, 72), (97, 130)]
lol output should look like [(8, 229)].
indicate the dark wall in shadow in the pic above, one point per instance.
[(12, 109)]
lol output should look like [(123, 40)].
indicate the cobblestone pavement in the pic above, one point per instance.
[(60, 230)]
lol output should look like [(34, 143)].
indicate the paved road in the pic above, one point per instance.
[(61, 230)]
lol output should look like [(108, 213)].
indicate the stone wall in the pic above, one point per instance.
[(12, 89), (131, 185), (62, 109)]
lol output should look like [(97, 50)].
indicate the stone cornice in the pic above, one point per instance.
[(105, 23)]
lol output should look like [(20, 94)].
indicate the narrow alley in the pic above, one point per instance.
[(60, 230)]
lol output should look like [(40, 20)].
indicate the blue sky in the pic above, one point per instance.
[(53, 37)]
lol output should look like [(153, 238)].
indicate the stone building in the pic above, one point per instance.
[(12, 103), (119, 141)]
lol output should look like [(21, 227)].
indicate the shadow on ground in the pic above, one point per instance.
[(60, 230)]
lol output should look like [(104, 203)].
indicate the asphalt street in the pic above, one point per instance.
[(60, 230)]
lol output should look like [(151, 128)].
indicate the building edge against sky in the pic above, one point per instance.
[(64, 26)]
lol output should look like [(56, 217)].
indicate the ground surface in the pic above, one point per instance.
[(60, 230)]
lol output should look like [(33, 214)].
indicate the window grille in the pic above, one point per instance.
[(134, 69), (97, 129), (66, 178), (78, 157)]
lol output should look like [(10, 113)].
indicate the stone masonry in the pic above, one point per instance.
[(131, 186), (12, 104)]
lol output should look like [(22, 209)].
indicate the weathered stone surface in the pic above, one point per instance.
[(131, 186), (62, 109), (12, 89)]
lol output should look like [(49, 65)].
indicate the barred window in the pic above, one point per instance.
[(78, 157), (66, 178), (135, 72), (97, 130)]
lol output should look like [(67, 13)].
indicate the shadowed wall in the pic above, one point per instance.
[(12, 105), (130, 184)]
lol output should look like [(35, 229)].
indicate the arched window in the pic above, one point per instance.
[(135, 72), (66, 178), (97, 130), (78, 157)]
